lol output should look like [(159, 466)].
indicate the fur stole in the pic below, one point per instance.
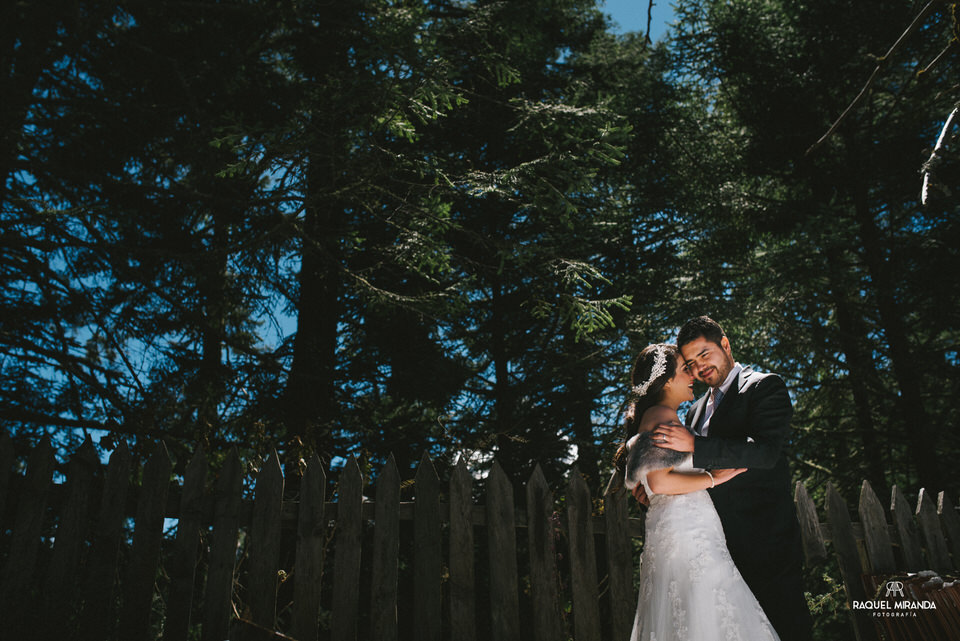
[(644, 457)]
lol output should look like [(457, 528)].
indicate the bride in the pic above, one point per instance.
[(689, 587)]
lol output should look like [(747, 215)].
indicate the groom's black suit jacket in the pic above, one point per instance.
[(756, 507)]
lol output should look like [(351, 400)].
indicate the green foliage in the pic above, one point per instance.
[(827, 602), (445, 226)]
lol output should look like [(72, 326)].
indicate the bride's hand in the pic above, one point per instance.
[(724, 475)]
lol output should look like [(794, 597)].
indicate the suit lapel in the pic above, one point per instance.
[(696, 412), (729, 399)]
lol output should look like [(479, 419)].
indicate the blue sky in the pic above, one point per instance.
[(631, 15)]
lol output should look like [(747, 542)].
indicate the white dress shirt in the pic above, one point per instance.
[(724, 388)]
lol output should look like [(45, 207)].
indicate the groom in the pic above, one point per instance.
[(744, 421)]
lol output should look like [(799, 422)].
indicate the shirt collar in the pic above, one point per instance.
[(731, 377)]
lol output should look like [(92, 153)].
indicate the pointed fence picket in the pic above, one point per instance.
[(346, 578), (96, 556), (619, 546), (223, 550), (141, 574), (933, 539), (386, 554), (427, 552), (181, 568), (502, 546), (542, 553), (906, 528), (308, 568), (951, 523), (463, 615), (583, 560), (68, 545), (97, 602), (27, 532), (264, 555)]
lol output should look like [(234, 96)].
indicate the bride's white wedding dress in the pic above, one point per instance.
[(690, 590)]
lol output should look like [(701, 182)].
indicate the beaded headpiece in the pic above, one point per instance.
[(658, 370)]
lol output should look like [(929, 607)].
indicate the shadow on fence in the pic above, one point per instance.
[(206, 559)]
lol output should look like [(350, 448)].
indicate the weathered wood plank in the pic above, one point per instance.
[(583, 560), (541, 544), (386, 549), (218, 595), (845, 549), (97, 614), (907, 530), (18, 574), (811, 534), (876, 536), (502, 548), (182, 567), (478, 516), (308, 568), (427, 552), (141, 574), (60, 586), (6, 472), (264, 547), (951, 525), (620, 561), (346, 560), (463, 614), (933, 540)]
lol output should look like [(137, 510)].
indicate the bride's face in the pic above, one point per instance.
[(681, 385)]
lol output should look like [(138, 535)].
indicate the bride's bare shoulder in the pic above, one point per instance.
[(655, 415)]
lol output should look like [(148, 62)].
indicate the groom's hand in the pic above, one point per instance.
[(673, 436)]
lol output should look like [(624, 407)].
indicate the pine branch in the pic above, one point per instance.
[(917, 22), (646, 38), (935, 158)]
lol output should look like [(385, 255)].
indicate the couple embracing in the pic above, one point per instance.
[(721, 557)]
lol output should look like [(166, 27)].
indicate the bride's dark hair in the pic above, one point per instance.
[(638, 403)]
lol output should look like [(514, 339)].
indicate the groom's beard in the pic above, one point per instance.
[(717, 373)]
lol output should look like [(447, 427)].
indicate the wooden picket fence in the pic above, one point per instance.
[(70, 574), (247, 564)]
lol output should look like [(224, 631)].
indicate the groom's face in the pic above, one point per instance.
[(709, 362)]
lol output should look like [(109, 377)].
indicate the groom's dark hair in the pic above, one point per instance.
[(697, 327)]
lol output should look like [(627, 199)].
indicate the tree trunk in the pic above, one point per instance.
[(310, 396), (852, 334), (504, 411), (919, 433), (580, 399), (209, 388)]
